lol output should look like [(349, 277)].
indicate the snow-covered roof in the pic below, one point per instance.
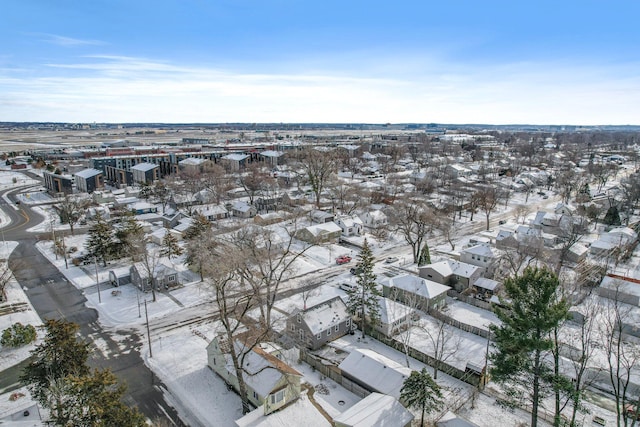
[(325, 315), (191, 161), (242, 206), (482, 250), (236, 157), (289, 416), (271, 153), (350, 221), (488, 284), (88, 173), (452, 420), (391, 311), (375, 410), (208, 210), (144, 167), (317, 229), (376, 371), (416, 285), (262, 370)]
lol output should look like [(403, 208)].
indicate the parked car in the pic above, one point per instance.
[(356, 270), (347, 286), (343, 259), (391, 259)]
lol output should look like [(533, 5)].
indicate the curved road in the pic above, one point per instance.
[(53, 297)]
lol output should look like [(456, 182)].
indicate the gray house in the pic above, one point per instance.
[(456, 274), (163, 276), (319, 324)]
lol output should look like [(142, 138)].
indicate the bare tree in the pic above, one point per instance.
[(148, 259), (444, 341), (520, 212), (488, 199), (71, 209), (414, 220), (5, 277), (252, 178), (215, 181), (623, 356), (268, 259), (318, 166)]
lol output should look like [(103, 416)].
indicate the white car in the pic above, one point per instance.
[(347, 287), (391, 259)]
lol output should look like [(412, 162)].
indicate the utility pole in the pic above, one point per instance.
[(64, 251), (95, 262), (146, 315)]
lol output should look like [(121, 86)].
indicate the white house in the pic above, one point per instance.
[(351, 225), (394, 317), (374, 219), (481, 255), (415, 291)]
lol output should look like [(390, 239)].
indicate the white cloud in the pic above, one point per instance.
[(68, 41), (125, 89)]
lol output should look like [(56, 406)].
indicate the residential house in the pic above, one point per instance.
[(145, 173), (159, 235), (459, 275), (415, 291), (374, 219), (457, 171), (321, 217), (268, 218), (288, 416), (243, 210), (268, 203), (320, 233), (211, 211), (482, 255), (564, 209), (89, 180), (374, 372), (140, 208), (270, 381), (164, 275), (351, 225), (271, 157), (394, 317), (615, 238), (317, 325), (375, 410), (452, 420)]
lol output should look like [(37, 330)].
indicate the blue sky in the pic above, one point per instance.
[(499, 62)]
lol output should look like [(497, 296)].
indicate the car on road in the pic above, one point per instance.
[(391, 259), (343, 259)]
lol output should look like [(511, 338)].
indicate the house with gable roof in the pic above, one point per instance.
[(317, 325), (270, 381), (374, 219), (351, 225), (459, 275), (481, 255), (394, 316), (415, 291), (320, 233)]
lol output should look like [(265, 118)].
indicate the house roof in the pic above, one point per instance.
[(327, 227), (391, 311), (242, 206), (235, 157), (289, 416), (144, 167), (483, 250), (88, 173), (271, 153), (192, 161), (208, 210), (488, 284), (325, 315), (350, 221), (452, 420), (375, 410), (376, 371), (416, 285)]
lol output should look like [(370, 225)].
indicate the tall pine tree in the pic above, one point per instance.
[(101, 241), (364, 299), (531, 311), (421, 392)]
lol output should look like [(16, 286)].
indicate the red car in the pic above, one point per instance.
[(343, 259)]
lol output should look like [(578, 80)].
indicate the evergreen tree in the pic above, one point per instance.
[(364, 299), (533, 308), (92, 400), (198, 226), (101, 241), (421, 392), (60, 355), (612, 217), (128, 230), (170, 246), (425, 256)]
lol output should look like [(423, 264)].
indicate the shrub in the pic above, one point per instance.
[(18, 335)]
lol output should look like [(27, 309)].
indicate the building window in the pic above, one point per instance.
[(277, 397), (336, 328), (293, 327), (319, 336), (328, 331), (172, 278), (299, 317), (348, 322), (255, 396)]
